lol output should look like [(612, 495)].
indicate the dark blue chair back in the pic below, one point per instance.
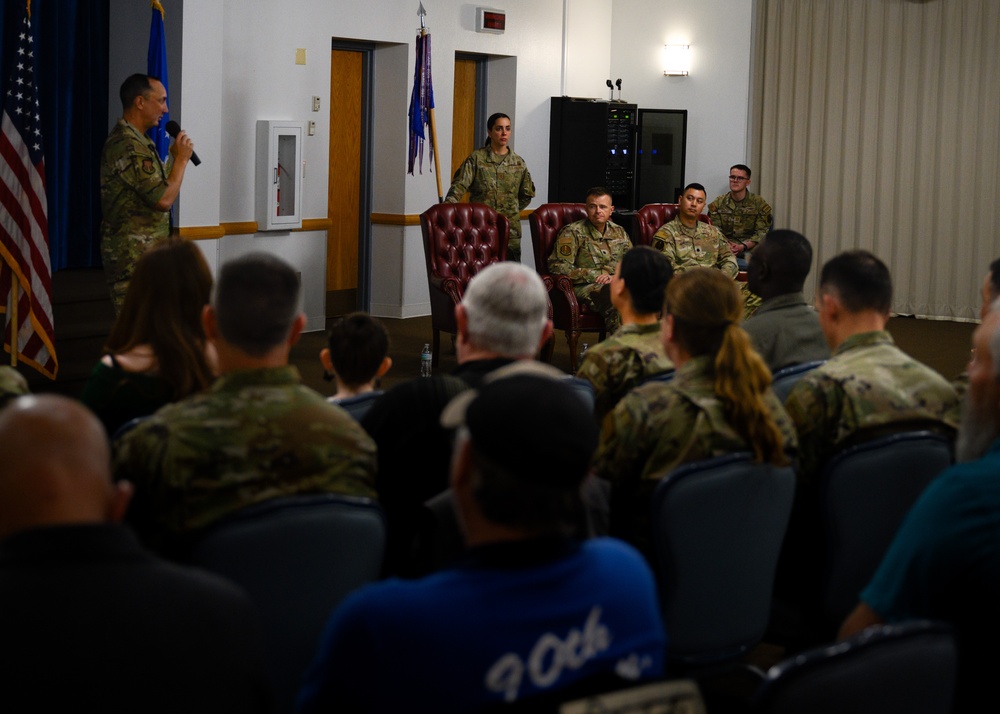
[(296, 557), (717, 528), (866, 491), (785, 378), (909, 667)]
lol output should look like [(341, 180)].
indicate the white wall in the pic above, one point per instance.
[(238, 63), (716, 93)]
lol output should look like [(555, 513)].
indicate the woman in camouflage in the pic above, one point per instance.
[(494, 175)]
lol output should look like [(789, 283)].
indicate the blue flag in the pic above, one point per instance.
[(156, 66), (421, 101)]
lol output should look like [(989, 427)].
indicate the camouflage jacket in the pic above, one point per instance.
[(745, 221), (581, 253), (133, 179), (501, 182), (869, 387), (707, 247), (12, 384), (622, 361), (254, 435), (659, 426)]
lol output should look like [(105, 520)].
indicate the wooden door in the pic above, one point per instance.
[(343, 200), (463, 118)]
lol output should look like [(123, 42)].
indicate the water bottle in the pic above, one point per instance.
[(425, 361), (583, 351)]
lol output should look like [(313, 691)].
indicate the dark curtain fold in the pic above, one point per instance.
[(73, 62)]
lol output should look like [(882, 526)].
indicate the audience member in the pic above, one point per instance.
[(12, 384), (743, 217), (256, 434), (635, 352), (587, 252), (944, 563), (530, 611), (990, 292), (785, 329), (503, 317), (868, 388), (718, 402), (357, 355), (157, 352), (90, 620)]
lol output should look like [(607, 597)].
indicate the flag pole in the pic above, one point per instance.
[(434, 143), (15, 291)]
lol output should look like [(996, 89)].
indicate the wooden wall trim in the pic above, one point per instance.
[(240, 228), (410, 219)]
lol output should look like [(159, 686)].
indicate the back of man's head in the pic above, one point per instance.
[(994, 280), (256, 302), (646, 272), (135, 85), (506, 309), (859, 280), (55, 467), (530, 444), (358, 343), (788, 257)]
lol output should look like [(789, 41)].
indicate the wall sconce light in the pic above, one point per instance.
[(676, 60)]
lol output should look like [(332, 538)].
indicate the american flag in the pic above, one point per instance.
[(25, 272)]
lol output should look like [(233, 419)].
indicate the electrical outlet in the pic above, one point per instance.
[(312, 128), (315, 104)]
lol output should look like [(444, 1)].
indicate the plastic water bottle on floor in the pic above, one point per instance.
[(425, 361), (583, 351)]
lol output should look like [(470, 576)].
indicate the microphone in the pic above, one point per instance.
[(173, 128)]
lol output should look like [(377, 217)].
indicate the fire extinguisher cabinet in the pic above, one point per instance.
[(279, 175)]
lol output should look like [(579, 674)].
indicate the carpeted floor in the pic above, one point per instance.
[(940, 344)]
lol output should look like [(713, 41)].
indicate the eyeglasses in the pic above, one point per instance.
[(738, 178)]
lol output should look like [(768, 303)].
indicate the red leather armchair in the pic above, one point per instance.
[(567, 314), (460, 239)]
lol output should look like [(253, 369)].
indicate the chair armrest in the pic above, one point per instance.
[(565, 286), (449, 286)]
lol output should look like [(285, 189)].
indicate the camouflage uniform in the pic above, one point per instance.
[(706, 247), (581, 253), (620, 362), (12, 384), (254, 435), (657, 427), (743, 222), (133, 179), (502, 183), (869, 387)]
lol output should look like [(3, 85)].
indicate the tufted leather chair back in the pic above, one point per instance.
[(650, 217), (545, 222), (460, 239)]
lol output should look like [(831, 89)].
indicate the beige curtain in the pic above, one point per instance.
[(876, 125)]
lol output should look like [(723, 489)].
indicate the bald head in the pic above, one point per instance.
[(55, 467)]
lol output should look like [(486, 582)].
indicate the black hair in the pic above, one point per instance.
[(358, 343), (136, 85), (256, 300), (741, 167), (493, 120), (646, 273), (860, 280)]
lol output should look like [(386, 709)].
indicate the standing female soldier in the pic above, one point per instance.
[(496, 176)]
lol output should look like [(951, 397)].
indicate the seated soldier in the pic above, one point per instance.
[(635, 351), (785, 329), (587, 252), (530, 611), (718, 402), (743, 217), (256, 434)]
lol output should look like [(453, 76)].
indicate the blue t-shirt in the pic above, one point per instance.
[(490, 631)]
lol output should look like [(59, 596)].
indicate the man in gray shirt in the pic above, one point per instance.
[(785, 329)]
